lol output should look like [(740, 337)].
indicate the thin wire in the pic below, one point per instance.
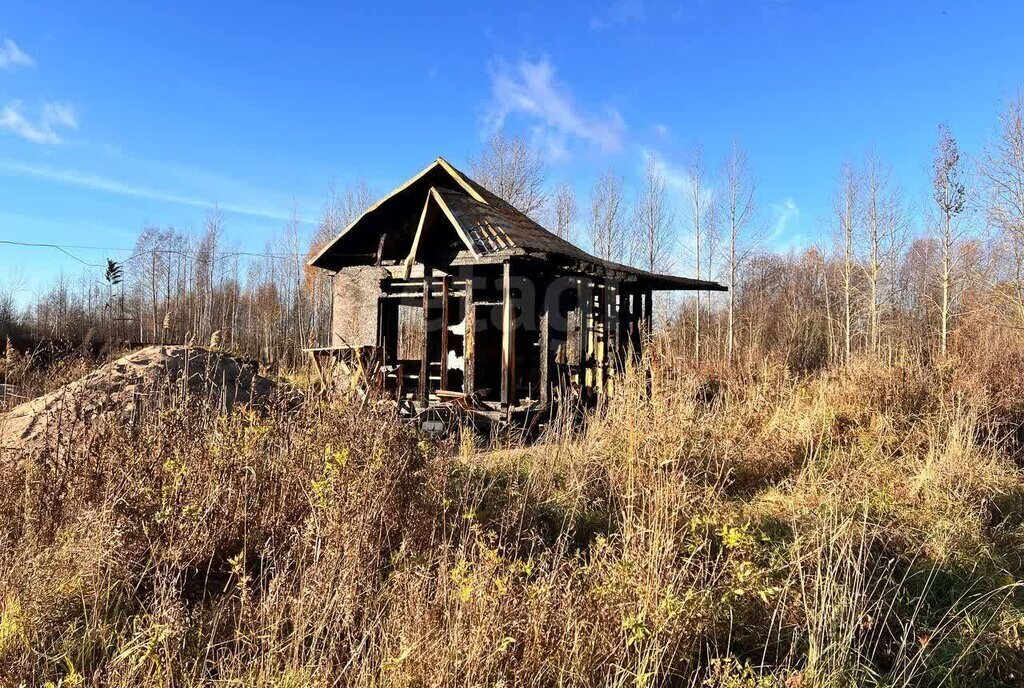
[(54, 246), (64, 249)]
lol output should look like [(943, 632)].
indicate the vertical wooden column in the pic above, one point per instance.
[(445, 286), (382, 322), (583, 306), (424, 388), (635, 316), (469, 340), (332, 332), (508, 340), (648, 329), (612, 325), (648, 315), (601, 335), (624, 333), (544, 345)]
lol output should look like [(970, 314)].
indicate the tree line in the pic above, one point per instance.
[(891, 278)]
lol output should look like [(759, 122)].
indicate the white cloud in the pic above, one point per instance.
[(43, 129), (530, 90), (115, 186), (662, 130), (784, 214), (617, 13), (675, 176), (12, 56)]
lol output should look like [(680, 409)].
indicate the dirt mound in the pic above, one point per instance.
[(118, 390)]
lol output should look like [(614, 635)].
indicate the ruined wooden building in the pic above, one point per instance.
[(458, 296)]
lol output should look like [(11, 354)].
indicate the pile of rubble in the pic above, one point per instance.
[(119, 390)]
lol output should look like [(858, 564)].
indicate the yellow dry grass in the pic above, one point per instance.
[(730, 528)]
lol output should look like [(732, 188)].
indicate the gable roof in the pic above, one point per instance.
[(491, 227)]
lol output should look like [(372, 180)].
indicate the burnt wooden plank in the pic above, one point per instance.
[(582, 311), (648, 313), (424, 386), (469, 340), (622, 327), (601, 337), (544, 347), (612, 333), (508, 339), (635, 314), (445, 286)]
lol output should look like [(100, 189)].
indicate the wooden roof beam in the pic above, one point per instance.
[(434, 196)]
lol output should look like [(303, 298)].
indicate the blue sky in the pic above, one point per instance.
[(118, 115)]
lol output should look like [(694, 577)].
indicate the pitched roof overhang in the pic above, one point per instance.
[(321, 259), (491, 228)]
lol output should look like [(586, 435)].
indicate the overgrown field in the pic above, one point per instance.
[(855, 527)]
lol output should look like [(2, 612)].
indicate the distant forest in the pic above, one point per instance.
[(893, 280)]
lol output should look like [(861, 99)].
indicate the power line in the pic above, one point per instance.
[(53, 246), (65, 249)]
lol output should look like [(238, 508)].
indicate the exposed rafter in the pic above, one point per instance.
[(434, 197)]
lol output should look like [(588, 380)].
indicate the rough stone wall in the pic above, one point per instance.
[(356, 290)]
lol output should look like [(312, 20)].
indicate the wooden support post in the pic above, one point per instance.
[(601, 337), (622, 327), (583, 309), (331, 334), (648, 314), (469, 340), (648, 329), (424, 388), (508, 340), (445, 287), (387, 334), (544, 347), (612, 326), (646, 321), (635, 309)]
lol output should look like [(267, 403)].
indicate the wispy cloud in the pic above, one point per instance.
[(616, 13), (45, 127), (675, 176), (115, 186), (530, 90), (783, 215), (12, 56)]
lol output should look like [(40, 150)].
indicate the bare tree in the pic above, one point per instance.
[(884, 229), (698, 201), (737, 214), (950, 195), (607, 216), (846, 211), (712, 249), (339, 211), (563, 212), (653, 221), (1002, 168), (513, 170), (205, 272), (151, 253)]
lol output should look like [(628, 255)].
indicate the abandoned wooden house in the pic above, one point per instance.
[(459, 297)]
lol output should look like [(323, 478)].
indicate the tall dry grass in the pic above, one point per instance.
[(708, 528)]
